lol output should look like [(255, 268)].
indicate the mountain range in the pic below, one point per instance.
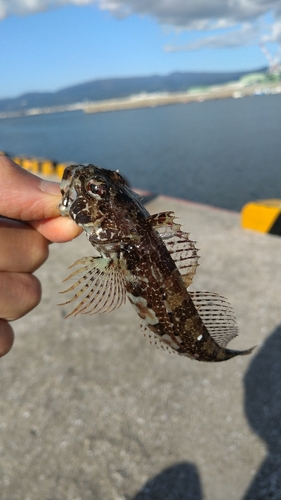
[(111, 88)]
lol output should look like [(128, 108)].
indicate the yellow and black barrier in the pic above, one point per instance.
[(39, 166), (263, 216)]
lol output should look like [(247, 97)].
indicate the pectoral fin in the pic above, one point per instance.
[(102, 286)]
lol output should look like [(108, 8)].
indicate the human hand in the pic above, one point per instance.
[(29, 221)]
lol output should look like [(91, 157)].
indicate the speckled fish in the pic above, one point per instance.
[(146, 258)]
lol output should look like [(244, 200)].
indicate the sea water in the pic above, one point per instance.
[(223, 152)]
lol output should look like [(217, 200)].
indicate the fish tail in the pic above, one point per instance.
[(224, 354), (219, 320)]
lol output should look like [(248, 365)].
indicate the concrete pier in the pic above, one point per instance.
[(90, 410)]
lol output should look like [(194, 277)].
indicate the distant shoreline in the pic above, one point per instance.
[(161, 99), (149, 100)]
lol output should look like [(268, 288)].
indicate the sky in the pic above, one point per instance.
[(46, 45)]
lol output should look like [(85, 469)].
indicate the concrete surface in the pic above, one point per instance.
[(89, 410)]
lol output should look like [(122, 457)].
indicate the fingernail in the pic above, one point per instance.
[(50, 187)]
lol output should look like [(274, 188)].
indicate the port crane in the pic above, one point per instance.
[(274, 64)]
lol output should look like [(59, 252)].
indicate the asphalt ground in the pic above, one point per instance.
[(90, 410)]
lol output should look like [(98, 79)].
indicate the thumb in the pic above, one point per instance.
[(26, 197)]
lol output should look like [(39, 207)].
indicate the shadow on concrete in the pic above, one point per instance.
[(178, 482), (263, 410)]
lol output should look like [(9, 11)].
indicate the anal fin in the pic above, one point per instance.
[(154, 339)]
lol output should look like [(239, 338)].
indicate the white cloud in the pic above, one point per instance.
[(192, 14), (180, 14), (24, 7), (275, 33), (241, 17), (248, 34)]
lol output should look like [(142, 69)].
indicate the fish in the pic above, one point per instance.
[(147, 259)]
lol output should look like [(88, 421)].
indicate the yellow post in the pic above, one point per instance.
[(47, 167), (60, 169), (263, 216), (18, 160), (30, 164)]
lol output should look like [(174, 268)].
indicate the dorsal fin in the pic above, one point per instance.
[(217, 315), (184, 253), (181, 248), (102, 286), (164, 222)]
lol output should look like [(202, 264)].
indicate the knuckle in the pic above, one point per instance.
[(32, 290), (19, 294), (6, 337), (40, 254)]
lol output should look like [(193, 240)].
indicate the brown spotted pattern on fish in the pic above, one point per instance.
[(146, 258)]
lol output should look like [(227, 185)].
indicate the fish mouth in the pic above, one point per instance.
[(69, 195), (66, 202), (68, 190)]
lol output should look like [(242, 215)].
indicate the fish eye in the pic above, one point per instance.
[(96, 189)]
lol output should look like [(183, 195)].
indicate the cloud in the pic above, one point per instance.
[(198, 15), (275, 33), (23, 7), (193, 14), (180, 14), (248, 34)]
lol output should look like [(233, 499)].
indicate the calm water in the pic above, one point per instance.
[(224, 153)]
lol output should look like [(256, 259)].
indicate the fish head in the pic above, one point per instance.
[(100, 201)]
